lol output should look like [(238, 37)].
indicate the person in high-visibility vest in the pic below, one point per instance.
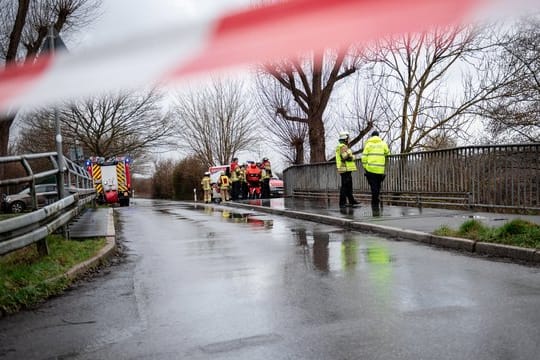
[(253, 178), (224, 184), (374, 162), (235, 179), (345, 166), (207, 188), (243, 182), (266, 168)]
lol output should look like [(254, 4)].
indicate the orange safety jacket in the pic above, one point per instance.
[(253, 174)]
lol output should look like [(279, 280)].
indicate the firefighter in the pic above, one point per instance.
[(243, 181), (207, 188), (253, 178), (224, 184), (235, 179), (345, 166), (266, 175), (374, 161)]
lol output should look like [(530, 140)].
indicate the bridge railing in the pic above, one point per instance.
[(33, 227), (28, 170), (499, 177)]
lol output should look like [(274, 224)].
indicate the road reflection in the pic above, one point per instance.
[(323, 249), (320, 249), (257, 221)]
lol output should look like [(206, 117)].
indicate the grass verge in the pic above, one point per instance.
[(4, 216), (517, 232), (25, 276)]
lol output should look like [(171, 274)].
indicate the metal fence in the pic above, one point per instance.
[(29, 170), (502, 177), (33, 227)]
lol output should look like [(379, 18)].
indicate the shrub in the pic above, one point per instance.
[(517, 232), (472, 229)]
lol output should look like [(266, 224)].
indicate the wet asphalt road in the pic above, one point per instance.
[(214, 283)]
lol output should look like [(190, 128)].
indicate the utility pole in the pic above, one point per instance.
[(58, 132)]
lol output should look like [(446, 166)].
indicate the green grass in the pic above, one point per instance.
[(517, 232), (24, 274), (5, 216)]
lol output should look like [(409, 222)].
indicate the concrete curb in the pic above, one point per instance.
[(454, 243), (474, 247), (101, 257), (499, 250)]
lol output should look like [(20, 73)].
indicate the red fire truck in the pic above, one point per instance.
[(112, 179)]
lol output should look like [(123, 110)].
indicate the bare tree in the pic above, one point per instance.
[(290, 137), (214, 122), (366, 109), (109, 125), (23, 27), (162, 179), (186, 178), (423, 96), (311, 79), (515, 115)]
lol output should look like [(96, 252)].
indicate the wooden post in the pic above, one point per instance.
[(43, 247)]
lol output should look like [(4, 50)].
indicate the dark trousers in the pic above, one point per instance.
[(346, 190), (244, 190), (235, 190), (265, 188), (374, 181)]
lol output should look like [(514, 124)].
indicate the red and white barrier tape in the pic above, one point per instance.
[(240, 38)]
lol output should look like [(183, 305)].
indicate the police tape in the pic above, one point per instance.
[(249, 36)]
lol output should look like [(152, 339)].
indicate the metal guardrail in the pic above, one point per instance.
[(24, 230), (499, 177), (34, 227), (40, 167)]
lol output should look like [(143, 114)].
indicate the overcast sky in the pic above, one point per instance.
[(121, 19)]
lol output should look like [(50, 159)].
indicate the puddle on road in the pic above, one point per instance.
[(321, 248), (255, 220), (332, 250), (170, 212)]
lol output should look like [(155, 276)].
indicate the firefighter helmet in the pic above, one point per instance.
[(344, 135)]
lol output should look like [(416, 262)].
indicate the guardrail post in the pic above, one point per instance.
[(327, 197), (43, 247)]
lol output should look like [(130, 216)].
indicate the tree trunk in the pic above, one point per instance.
[(11, 54), (5, 124), (16, 32), (317, 152), (299, 153)]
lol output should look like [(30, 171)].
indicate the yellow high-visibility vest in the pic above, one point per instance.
[(206, 183), (344, 159), (374, 155)]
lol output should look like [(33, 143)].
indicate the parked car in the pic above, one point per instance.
[(46, 194), (276, 187)]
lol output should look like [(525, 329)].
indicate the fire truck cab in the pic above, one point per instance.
[(112, 179)]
